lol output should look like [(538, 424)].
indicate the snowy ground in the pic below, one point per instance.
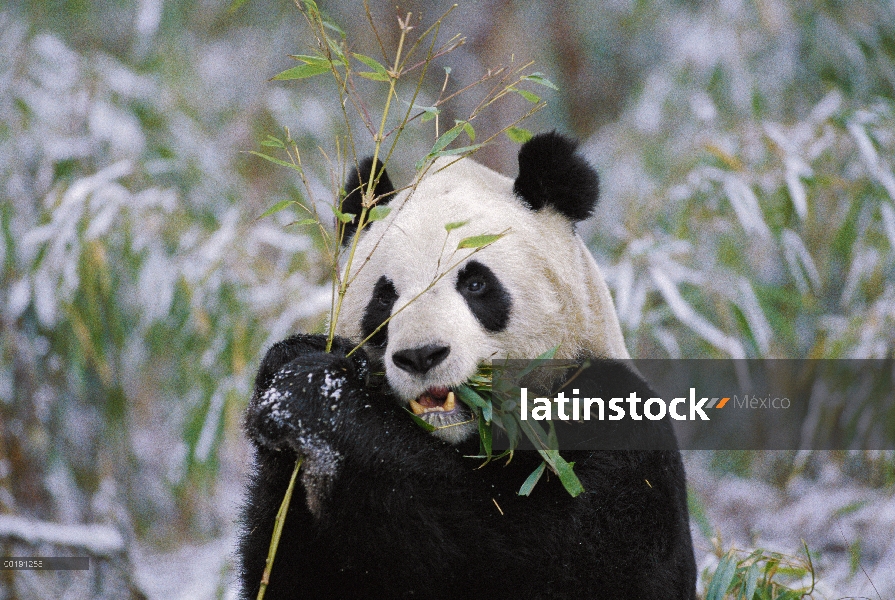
[(850, 527)]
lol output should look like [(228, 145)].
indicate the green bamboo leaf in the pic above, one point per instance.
[(372, 63), (722, 577), (424, 424), (552, 441), (301, 72), (336, 49), (311, 59), (342, 217), (275, 208), (275, 161), (477, 241), (316, 14), (467, 127), (272, 142), (332, 26), (455, 151), (532, 480), (446, 138), (304, 222), (533, 98), (377, 213), (512, 429), (751, 579), (485, 437), (472, 399), (429, 113), (540, 80), (564, 471), (455, 225), (518, 134), (373, 76)]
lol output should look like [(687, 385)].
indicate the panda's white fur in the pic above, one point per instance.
[(559, 295)]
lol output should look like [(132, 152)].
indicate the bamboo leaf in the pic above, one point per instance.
[(332, 26), (336, 49), (485, 437), (377, 213), (512, 429), (275, 208), (533, 98), (275, 161), (564, 471), (467, 127), (532, 480), (273, 142), (455, 151), (422, 423), (455, 225), (751, 580), (304, 222), (540, 80), (309, 59), (301, 72), (518, 134), (446, 138), (552, 441), (372, 63), (477, 241), (429, 113), (722, 578), (472, 399), (342, 217)]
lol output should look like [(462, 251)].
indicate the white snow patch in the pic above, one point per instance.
[(98, 540)]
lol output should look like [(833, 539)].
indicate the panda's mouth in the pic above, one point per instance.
[(434, 400)]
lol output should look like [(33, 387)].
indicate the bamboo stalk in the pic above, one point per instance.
[(277, 532)]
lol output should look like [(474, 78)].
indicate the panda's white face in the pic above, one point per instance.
[(452, 310)]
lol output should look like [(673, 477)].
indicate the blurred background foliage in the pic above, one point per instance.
[(746, 149)]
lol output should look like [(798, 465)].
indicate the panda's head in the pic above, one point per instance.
[(535, 288)]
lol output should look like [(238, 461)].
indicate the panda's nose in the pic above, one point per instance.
[(419, 361)]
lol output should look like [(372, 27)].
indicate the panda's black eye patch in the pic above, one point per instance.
[(486, 297), (379, 308)]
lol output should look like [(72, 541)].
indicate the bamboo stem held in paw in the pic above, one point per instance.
[(277, 532)]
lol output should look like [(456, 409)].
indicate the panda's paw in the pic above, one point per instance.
[(301, 403), (285, 351)]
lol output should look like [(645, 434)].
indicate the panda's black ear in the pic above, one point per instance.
[(552, 174), (357, 182)]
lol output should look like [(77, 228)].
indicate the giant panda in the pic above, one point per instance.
[(384, 509)]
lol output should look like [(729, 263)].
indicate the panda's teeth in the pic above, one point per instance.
[(416, 407), (449, 403)]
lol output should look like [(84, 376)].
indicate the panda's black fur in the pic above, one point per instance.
[(385, 510), (358, 179), (551, 174)]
